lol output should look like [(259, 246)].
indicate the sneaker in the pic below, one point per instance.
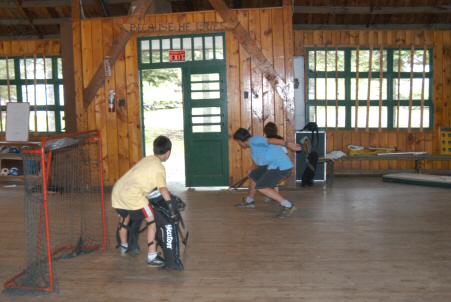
[(246, 205), (286, 212), (156, 262), (123, 250)]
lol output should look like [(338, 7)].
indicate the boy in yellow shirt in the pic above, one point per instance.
[(130, 191)]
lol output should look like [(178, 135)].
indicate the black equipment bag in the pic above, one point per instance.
[(168, 220), (311, 158), (310, 169), (312, 126)]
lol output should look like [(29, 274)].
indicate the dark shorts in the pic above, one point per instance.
[(137, 214), (258, 172), (271, 178)]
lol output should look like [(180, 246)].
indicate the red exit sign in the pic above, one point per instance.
[(176, 56)]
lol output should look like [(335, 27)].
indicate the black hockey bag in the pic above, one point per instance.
[(310, 169), (168, 220), (311, 126)]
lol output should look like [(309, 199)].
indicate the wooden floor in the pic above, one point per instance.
[(360, 240)]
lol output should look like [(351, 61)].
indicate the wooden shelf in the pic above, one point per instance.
[(19, 178), (11, 156)]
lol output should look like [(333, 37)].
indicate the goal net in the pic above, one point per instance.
[(64, 206)]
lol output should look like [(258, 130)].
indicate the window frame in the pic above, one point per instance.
[(55, 82), (390, 75)]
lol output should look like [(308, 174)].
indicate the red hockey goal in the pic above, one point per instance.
[(64, 206)]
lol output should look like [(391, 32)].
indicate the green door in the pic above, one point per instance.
[(205, 121)]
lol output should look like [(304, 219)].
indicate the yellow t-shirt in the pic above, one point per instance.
[(129, 192)]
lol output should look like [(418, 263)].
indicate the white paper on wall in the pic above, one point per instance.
[(17, 121)]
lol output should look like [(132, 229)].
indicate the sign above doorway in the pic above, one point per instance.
[(177, 55)]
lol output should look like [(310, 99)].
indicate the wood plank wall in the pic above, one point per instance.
[(26, 48), (416, 140), (122, 130)]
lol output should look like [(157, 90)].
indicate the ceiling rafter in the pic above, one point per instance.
[(372, 10), (33, 22), (28, 17)]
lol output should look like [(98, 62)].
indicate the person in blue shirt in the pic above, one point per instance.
[(272, 165)]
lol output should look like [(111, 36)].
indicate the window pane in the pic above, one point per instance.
[(42, 119), (415, 119), (205, 95), (198, 49), (205, 110), (63, 121), (188, 49), (403, 57), (34, 68), (59, 63), (331, 60), (4, 94), (205, 77), (206, 128), (374, 89), (206, 119), (176, 44), (205, 86), (219, 48), (331, 89), (165, 45), (31, 124), (331, 116), (7, 69), (28, 94), (3, 124), (156, 51), (145, 51), (209, 55), (373, 117), (403, 91), (364, 60), (61, 92)]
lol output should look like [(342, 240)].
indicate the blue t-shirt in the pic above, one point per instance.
[(265, 154), (258, 145), (277, 158)]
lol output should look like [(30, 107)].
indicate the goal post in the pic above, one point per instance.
[(64, 202)]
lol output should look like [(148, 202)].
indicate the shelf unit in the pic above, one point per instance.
[(8, 160)]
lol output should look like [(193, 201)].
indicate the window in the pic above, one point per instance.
[(207, 47), (36, 80), (370, 88)]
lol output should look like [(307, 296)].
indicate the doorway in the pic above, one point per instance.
[(186, 100), (162, 103)]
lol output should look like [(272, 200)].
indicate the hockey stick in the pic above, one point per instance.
[(239, 183), (184, 235)]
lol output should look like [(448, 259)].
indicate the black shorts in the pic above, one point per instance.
[(137, 214), (271, 178), (258, 172)]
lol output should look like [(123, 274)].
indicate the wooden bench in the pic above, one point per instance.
[(418, 158)]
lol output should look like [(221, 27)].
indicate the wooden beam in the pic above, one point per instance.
[(67, 54), (105, 8), (375, 10), (28, 16), (370, 26), (29, 37), (54, 3), (117, 48), (285, 90), (38, 21)]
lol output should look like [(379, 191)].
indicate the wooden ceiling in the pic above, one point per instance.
[(361, 14), (22, 19)]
